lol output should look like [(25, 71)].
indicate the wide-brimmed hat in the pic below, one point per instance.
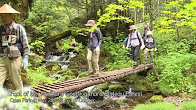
[(90, 23), (5, 9), (132, 27), (149, 33)]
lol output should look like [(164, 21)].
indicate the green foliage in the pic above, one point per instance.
[(37, 47), (68, 44), (39, 76), (35, 60), (175, 75), (47, 18), (111, 12), (188, 106), (156, 98), (83, 74), (179, 15), (117, 57), (155, 106)]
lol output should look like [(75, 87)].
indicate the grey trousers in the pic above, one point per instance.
[(135, 53), (146, 54)]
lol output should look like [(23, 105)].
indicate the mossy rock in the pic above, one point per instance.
[(120, 103), (35, 60), (67, 77), (103, 86), (53, 66), (130, 79), (156, 98), (69, 103), (56, 68), (140, 88), (67, 72), (116, 88), (83, 74), (96, 93), (100, 104)]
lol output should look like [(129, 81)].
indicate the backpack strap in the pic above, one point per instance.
[(139, 38)]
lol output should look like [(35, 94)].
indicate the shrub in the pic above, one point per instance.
[(189, 105), (175, 75), (155, 106)]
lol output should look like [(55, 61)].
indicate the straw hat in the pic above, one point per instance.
[(149, 33), (90, 23), (132, 27), (7, 9)]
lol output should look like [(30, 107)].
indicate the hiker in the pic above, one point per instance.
[(146, 29), (150, 45), (93, 51), (136, 42), (14, 48)]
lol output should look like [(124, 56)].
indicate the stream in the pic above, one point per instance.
[(109, 100)]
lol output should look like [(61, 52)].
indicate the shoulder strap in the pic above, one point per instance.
[(1, 30), (139, 38)]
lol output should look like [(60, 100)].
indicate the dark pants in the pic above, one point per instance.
[(135, 53)]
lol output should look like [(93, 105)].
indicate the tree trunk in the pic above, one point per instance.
[(151, 15), (87, 7)]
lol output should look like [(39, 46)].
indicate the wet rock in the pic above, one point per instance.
[(116, 88), (53, 66), (100, 104), (96, 93), (139, 88), (103, 86), (156, 98), (174, 99), (69, 103), (120, 103)]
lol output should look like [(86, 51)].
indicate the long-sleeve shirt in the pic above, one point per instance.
[(22, 36), (95, 39), (150, 42), (135, 39)]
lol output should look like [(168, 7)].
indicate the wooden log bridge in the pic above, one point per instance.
[(83, 82)]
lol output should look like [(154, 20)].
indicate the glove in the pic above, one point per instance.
[(155, 49), (142, 47), (25, 62)]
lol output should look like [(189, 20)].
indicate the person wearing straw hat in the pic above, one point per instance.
[(14, 48), (95, 40), (136, 42), (150, 45)]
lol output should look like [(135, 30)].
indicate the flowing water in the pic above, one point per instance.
[(130, 100)]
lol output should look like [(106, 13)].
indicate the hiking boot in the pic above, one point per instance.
[(89, 74), (135, 65), (94, 75)]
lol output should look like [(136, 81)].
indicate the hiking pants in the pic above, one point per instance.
[(93, 59), (12, 69), (146, 54), (135, 53)]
